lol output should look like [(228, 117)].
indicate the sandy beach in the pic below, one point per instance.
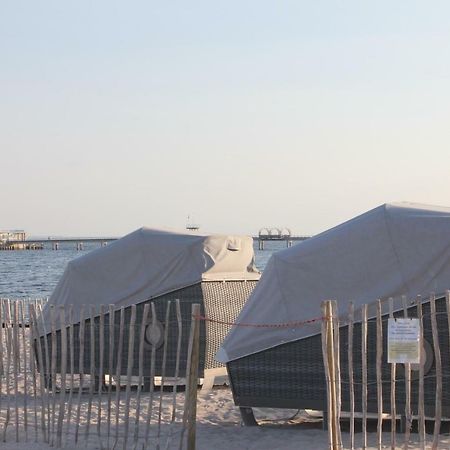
[(219, 428), (218, 424)]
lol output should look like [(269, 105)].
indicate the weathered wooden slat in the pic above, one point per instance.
[(2, 365), (131, 330), (47, 373), (23, 354), (379, 360), (40, 362), (188, 383), (163, 371), (193, 379), (16, 359), (351, 319), (408, 416), (72, 374), (140, 373), (101, 374), (438, 367), (337, 361), (177, 369), (92, 372), (364, 313), (112, 329), (81, 339), (8, 339), (62, 395), (52, 380), (2, 368), (421, 399), (151, 382), (33, 370), (327, 353), (119, 372), (393, 385)]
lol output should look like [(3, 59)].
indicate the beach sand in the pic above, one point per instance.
[(218, 425), (219, 428)]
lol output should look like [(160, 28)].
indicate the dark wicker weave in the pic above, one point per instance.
[(218, 299), (292, 375)]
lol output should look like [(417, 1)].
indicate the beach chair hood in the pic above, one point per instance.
[(149, 263), (393, 250)]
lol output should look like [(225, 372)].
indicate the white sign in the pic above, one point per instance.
[(404, 341)]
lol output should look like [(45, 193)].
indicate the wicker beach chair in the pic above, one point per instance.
[(218, 299), (391, 251), (216, 272), (292, 375)]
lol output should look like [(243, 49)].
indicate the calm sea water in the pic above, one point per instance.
[(35, 273)]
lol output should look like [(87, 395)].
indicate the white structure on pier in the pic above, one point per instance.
[(12, 235), (9, 238)]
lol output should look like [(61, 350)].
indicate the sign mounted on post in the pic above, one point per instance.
[(404, 341)]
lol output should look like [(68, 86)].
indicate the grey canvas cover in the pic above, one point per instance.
[(393, 250), (148, 263)]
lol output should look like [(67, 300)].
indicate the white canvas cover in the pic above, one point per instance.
[(393, 250), (147, 263)]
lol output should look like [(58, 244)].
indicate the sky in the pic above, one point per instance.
[(239, 114)]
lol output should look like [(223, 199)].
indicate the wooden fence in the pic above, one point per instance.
[(367, 394), (67, 382)]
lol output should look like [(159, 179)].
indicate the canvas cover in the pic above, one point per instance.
[(393, 250), (148, 263)]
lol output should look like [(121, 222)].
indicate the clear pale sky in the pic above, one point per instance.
[(115, 115)]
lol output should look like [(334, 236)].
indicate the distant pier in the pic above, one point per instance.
[(53, 243), (277, 234), (21, 245), (264, 235)]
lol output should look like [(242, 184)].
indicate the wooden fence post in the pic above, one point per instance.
[(379, 362), (421, 400), (351, 316), (101, 370), (191, 401), (36, 338), (364, 315), (119, 372), (163, 371), (131, 332), (151, 381), (34, 372), (177, 371), (23, 354), (92, 371), (112, 333), (337, 372), (408, 416), (72, 371), (81, 338), (438, 365), (16, 358), (393, 387), (141, 373), (330, 375), (62, 411), (2, 368), (8, 339)]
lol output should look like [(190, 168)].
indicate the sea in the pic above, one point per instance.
[(33, 274)]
